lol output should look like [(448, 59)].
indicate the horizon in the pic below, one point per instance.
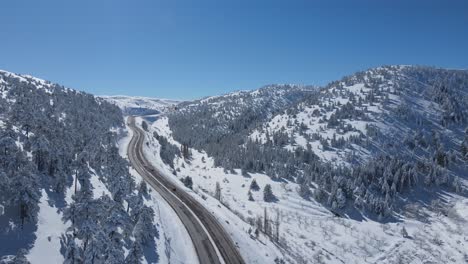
[(186, 51)]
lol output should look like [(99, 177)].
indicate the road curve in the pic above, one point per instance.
[(212, 243)]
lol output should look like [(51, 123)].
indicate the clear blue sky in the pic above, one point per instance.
[(190, 49)]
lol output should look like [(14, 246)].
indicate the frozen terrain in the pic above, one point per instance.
[(309, 232), (368, 169)]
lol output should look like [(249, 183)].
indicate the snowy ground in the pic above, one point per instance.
[(49, 230), (308, 232)]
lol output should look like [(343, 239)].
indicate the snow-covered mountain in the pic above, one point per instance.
[(384, 150), (402, 114), (412, 119), (137, 105), (394, 109), (66, 194)]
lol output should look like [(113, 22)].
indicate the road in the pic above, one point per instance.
[(212, 243)]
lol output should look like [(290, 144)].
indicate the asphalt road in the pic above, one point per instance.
[(212, 243)]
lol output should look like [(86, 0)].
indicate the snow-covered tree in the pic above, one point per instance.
[(188, 182), (250, 196), (268, 195), (254, 185), (144, 230), (70, 250)]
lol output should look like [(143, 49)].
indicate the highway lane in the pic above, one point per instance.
[(212, 243)]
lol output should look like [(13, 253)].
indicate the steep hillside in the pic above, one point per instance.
[(398, 127), (362, 115), (67, 194), (218, 124), (362, 143), (137, 105)]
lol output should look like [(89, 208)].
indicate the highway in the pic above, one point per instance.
[(212, 243)]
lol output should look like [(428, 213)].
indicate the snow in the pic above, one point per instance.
[(62, 117), (39, 83), (280, 123), (49, 229), (13, 75), (99, 189), (308, 231), (357, 88)]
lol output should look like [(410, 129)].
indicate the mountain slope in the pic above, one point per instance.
[(205, 123), (380, 104), (66, 192), (363, 143)]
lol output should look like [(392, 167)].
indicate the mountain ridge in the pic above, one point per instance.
[(350, 122)]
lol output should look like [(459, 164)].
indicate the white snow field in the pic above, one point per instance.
[(50, 227)]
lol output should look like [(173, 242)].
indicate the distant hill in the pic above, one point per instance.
[(136, 105), (368, 138)]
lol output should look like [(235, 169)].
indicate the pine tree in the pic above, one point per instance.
[(188, 182), (254, 186), (249, 194), (144, 230), (340, 199), (70, 250), (143, 189), (135, 254), (268, 195), (26, 194), (304, 191), (96, 248)]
